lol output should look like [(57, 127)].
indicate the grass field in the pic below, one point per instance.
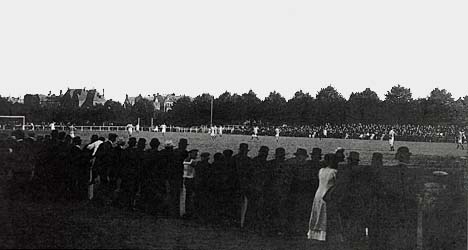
[(204, 143)]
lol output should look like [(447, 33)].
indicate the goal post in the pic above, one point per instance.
[(12, 122)]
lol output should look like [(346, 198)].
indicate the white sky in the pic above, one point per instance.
[(191, 47)]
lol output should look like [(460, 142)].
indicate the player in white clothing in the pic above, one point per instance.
[(220, 131), (130, 129), (213, 132), (255, 132), (163, 129), (277, 134), (391, 140), (460, 139), (52, 126)]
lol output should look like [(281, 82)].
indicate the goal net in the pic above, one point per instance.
[(12, 122)]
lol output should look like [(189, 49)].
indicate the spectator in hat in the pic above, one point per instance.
[(231, 184), (220, 189), (300, 190), (255, 210), (244, 171), (152, 182), (402, 207), (130, 174), (374, 198), (203, 199), (277, 188), (172, 178)]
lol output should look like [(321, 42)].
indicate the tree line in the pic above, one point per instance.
[(327, 106)]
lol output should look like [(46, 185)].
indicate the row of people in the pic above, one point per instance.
[(277, 195)]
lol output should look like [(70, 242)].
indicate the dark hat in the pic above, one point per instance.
[(112, 137), (264, 149), (330, 157), (218, 156), (154, 142), (301, 151), (280, 152), (142, 141), (243, 147), (76, 140), (403, 150), (205, 154), (94, 138), (228, 153), (183, 141), (61, 135), (353, 155), (316, 151), (377, 156)]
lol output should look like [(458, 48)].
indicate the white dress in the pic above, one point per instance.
[(318, 216)]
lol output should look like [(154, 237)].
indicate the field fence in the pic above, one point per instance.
[(196, 129)]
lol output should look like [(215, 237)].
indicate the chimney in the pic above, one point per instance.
[(102, 93), (60, 92)]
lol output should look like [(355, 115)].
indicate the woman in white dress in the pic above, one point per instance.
[(318, 216)]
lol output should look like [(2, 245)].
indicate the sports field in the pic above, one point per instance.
[(204, 143)]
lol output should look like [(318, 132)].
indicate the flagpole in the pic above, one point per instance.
[(211, 121)]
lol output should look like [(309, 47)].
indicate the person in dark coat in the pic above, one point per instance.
[(231, 185), (219, 190), (300, 195), (103, 165), (130, 174), (374, 198), (244, 171), (78, 170), (277, 188), (203, 197), (256, 212), (177, 171), (171, 170), (152, 182), (401, 212)]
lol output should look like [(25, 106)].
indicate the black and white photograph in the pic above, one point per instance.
[(250, 125)]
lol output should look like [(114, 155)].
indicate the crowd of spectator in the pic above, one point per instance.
[(273, 196), (421, 133)]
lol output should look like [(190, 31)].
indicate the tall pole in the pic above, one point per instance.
[(211, 122)]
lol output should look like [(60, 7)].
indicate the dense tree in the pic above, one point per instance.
[(364, 107), (328, 106), (331, 106)]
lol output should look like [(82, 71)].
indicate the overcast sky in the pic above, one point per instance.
[(192, 47)]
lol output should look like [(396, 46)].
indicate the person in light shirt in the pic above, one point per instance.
[(277, 134), (130, 129), (163, 129), (461, 137), (220, 131), (52, 126), (189, 183), (391, 140), (255, 133)]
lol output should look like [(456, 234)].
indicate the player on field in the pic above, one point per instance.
[(220, 131), (460, 139), (391, 139), (277, 134), (255, 132), (163, 129), (52, 126), (130, 129), (213, 132)]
